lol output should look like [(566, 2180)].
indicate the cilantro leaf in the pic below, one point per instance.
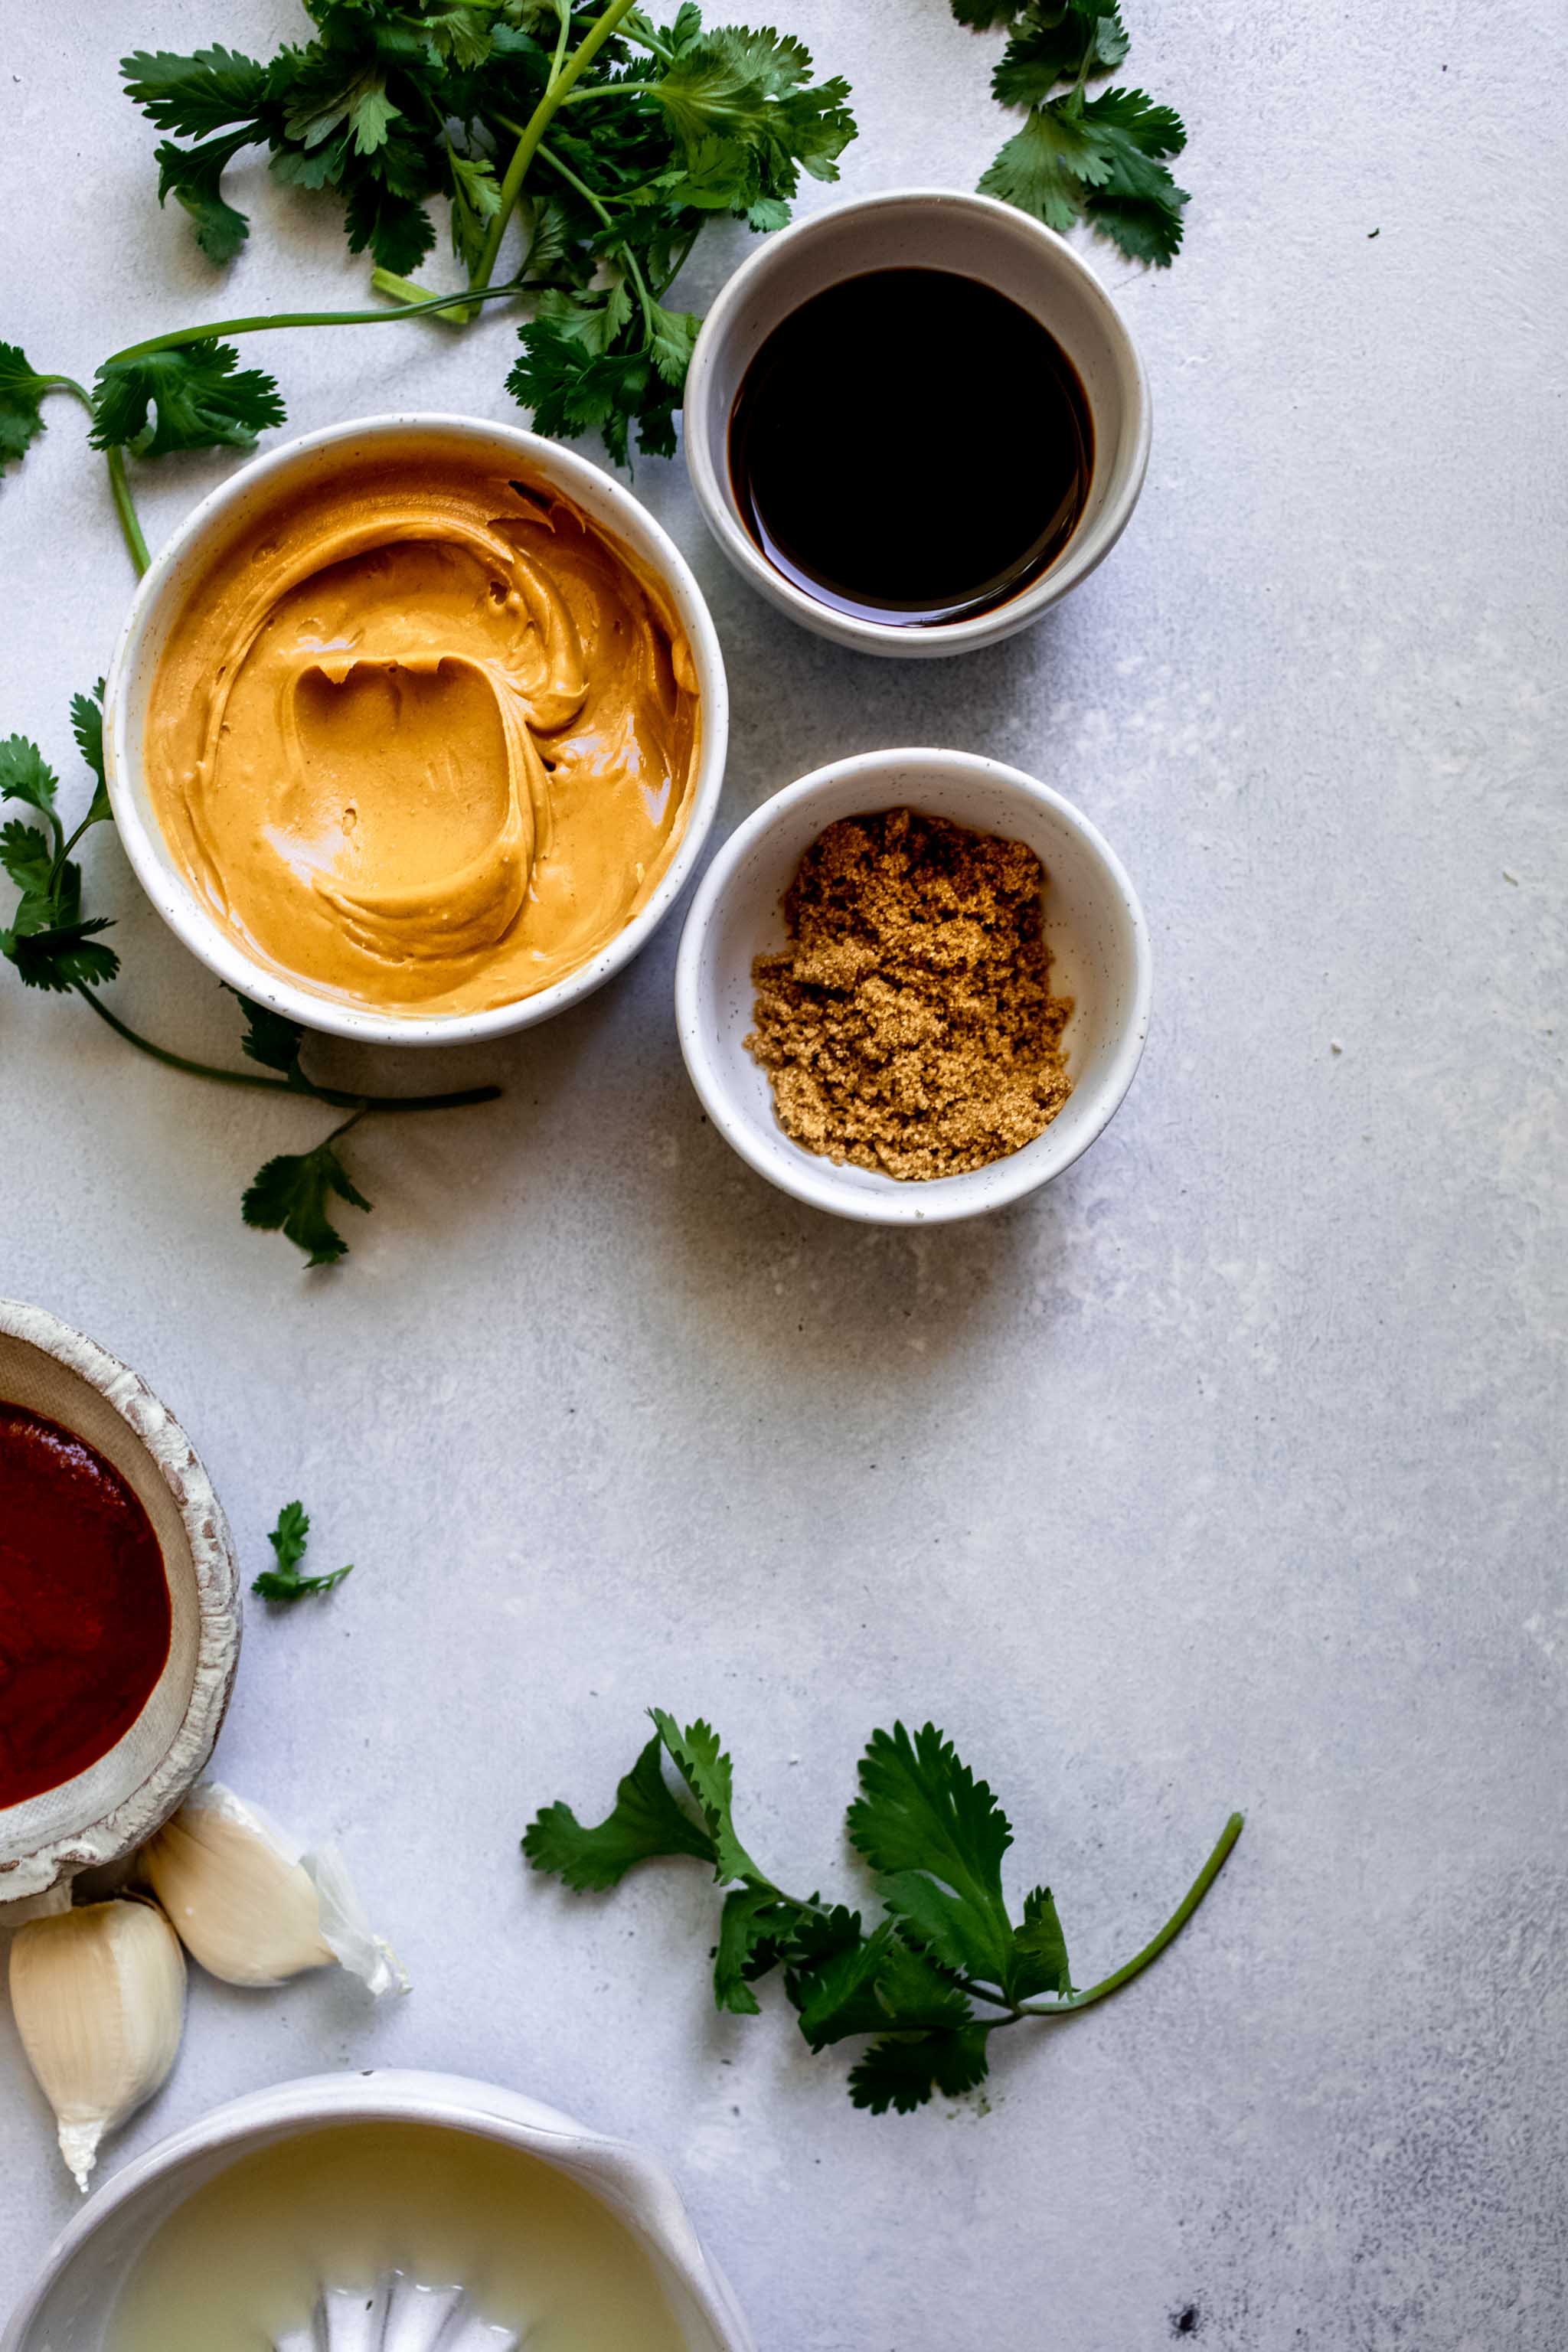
[(1040, 1951), (27, 775), (194, 176), (198, 94), (980, 15), (288, 1539), (756, 1930), (389, 224), (22, 391), (1049, 45), (292, 1194), (645, 1822), (203, 398), (86, 726), (65, 956), (47, 941), (290, 1536), (903, 2073), (1044, 168), (26, 856), (476, 200), (937, 1836), (706, 1771), (1135, 199), (869, 1986), (572, 391), (1098, 158), (271, 1039)]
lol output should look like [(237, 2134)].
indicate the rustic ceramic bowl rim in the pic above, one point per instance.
[(408, 2095), (708, 465), (816, 1179), (163, 587), (112, 1835)]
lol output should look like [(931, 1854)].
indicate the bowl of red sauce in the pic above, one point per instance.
[(119, 1610)]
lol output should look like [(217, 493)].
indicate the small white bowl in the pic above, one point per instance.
[(160, 600), (1094, 927), (107, 1811), (926, 228), (72, 2301)]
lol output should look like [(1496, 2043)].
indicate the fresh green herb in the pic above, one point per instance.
[(395, 102), (917, 1980), (1079, 158), (288, 1539), (52, 946)]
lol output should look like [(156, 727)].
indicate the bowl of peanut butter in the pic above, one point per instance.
[(415, 729)]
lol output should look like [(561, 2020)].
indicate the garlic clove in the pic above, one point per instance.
[(98, 1995), (251, 1905)]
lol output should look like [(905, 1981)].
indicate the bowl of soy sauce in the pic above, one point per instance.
[(915, 421)]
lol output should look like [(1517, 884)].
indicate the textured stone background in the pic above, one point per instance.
[(1224, 1473)]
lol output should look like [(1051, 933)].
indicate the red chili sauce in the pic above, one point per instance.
[(84, 1605)]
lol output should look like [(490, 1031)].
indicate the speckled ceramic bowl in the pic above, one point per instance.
[(1094, 925), (72, 2301), (160, 600), (106, 1811)]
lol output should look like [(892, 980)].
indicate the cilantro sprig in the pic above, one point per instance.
[(1101, 160), (51, 945), (290, 1540), (395, 103), (924, 1986)]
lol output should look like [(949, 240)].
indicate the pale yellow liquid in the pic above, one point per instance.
[(246, 2257)]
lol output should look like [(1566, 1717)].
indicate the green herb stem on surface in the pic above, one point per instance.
[(934, 1837)]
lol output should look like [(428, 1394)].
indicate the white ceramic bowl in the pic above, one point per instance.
[(71, 2303), (157, 605), (1094, 925), (108, 1811), (927, 228)]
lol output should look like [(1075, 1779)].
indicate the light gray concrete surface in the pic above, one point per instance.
[(1226, 1473)]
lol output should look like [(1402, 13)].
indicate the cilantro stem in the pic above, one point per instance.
[(548, 155), (178, 1061), (563, 35), (335, 1096), (253, 326), (533, 131), (609, 89), (119, 487), (125, 507), (645, 39), (1153, 1950)]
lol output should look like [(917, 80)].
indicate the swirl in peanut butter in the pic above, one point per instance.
[(423, 736)]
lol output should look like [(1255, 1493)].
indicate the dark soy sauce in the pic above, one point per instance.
[(910, 447)]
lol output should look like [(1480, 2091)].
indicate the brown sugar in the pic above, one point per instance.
[(909, 1025)]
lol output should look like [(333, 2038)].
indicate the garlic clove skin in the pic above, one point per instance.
[(99, 1995), (251, 1905), (238, 1900)]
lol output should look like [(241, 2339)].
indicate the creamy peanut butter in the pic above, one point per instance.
[(421, 736)]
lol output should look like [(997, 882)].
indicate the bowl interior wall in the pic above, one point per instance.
[(30, 1377)]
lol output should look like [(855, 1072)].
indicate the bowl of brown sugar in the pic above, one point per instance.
[(913, 986)]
